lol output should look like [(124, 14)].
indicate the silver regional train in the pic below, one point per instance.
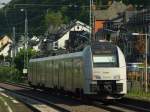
[(99, 70)]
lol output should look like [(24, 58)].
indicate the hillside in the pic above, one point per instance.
[(41, 13)]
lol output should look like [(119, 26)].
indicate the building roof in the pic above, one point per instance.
[(141, 17), (63, 30), (111, 12)]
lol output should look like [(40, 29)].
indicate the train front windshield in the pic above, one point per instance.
[(105, 56), (107, 60)]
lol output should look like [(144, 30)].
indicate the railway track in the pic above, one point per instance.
[(64, 103)]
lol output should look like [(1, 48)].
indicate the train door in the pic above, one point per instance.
[(31, 72), (34, 79), (57, 74), (39, 73), (46, 73), (35, 73), (69, 74), (54, 72), (78, 74), (61, 74), (42, 72), (50, 74), (73, 74), (56, 67), (65, 74)]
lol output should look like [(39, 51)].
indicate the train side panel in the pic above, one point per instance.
[(55, 74), (62, 74), (123, 72), (67, 74), (48, 74), (78, 75)]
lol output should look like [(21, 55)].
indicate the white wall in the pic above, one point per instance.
[(5, 51), (79, 27)]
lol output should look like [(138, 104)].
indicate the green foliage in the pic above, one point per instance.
[(14, 73), (61, 11), (58, 12), (19, 59), (140, 95), (10, 74), (53, 18)]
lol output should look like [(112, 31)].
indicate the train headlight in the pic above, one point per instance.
[(117, 77)]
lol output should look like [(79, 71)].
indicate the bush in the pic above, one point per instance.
[(10, 74)]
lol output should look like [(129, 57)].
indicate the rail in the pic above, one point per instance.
[(69, 103)]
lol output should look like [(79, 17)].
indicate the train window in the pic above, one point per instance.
[(105, 61)]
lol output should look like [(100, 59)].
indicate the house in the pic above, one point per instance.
[(5, 50), (106, 20), (5, 40), (120, 29), (34, 43), (5, 46), (138, 22), (20, 44), (60, 37)]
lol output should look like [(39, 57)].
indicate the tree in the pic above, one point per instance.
[(19, 59), (53, 18)]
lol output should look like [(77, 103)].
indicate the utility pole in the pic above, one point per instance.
[(26, 37), (13, 46), (146, 64), (26, 42), (146, 58), (13, 51), (91, 20)]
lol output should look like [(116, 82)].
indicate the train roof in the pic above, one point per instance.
[(106, 44), (103, 47), (62, 56)]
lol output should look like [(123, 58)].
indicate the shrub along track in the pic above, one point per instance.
[(66, 103)]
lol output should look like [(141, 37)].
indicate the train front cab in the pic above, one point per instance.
[(109, 75)]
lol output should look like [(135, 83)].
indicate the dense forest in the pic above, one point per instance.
[(42, 13)]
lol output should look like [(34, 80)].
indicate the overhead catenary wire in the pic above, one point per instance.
[(15, 6), (37, 17), (7, 21), (46, 5)]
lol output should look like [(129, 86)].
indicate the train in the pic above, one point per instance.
[(98, 70)]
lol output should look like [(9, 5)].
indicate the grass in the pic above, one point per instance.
[(139, 95), (2, 106), (10, 74)]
